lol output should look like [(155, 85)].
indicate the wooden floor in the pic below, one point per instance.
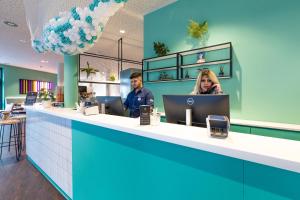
[(21, 181)]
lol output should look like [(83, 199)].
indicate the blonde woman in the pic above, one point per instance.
[(207, 83)]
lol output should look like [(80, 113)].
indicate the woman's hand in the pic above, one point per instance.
[(218, 88)]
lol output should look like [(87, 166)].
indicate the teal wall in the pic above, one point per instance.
[(265, 39), (13, 74)]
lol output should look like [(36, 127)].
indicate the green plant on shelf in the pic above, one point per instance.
[(221, 72), (163, 76), (112, 77), (160, 48), (197, 30), (187, 76), (89, 70)]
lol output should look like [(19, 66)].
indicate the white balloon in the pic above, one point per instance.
[(71, 21), (52, 21), (79, 12), (87, 31), (66, 34), (88, 37), (93, 33)]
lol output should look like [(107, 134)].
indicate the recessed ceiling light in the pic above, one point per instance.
[(11, 24), (22, 41), (44, 61), (122, 31)]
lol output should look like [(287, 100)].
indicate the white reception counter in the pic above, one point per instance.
[(280, 153)]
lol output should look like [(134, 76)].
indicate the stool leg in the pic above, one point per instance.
[(2, 134), (23, 133), (19, 135), (11, 126), (16, 140), (19, 140), (14, 135), (24, 146)]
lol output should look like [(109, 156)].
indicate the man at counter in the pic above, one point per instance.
[(138, 96)]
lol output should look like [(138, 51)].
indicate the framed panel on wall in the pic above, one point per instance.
[(26, 86)]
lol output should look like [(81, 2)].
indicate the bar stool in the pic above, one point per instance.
[(22, 119), (14, 132)]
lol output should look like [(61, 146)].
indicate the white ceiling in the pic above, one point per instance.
[(130, 18)]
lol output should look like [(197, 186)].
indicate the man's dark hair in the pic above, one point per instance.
[(135, 75)]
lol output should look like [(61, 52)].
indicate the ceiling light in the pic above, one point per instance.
[(11, 24), (44, 61), (122, 31)]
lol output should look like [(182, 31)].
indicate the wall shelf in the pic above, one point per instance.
[(161, 57), (161, 69), (206, 63), (102, 82), (185, 62), (206, 49)]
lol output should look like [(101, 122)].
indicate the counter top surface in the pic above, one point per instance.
[(275, 152), (262, 124)]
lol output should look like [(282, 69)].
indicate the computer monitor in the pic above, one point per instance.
[(82, 89), (30, 98), (201, 105), (113, 105)]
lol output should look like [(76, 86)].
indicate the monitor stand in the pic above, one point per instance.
[(193, 124)]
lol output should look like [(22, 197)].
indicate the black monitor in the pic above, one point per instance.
[(201, 105), (30, 98), (82, 89), (113, 105)]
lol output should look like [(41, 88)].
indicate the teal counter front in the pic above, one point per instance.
[(109, 164), (115, 158)]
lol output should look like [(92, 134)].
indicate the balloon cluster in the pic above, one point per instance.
[(76, 31)]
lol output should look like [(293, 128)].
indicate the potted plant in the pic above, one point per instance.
[(197, 30), (160, 48), (221, 72), (89, 70), (112, 77), (46, 97)]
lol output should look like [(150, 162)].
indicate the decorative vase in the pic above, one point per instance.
[(201, 57), (221, 73), (187, 76)]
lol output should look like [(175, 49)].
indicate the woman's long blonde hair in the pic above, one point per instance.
[(205, 72)]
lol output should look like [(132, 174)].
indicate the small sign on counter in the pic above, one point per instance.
[(145, 114)]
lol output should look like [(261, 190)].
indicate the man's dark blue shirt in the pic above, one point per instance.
[(135, 99)]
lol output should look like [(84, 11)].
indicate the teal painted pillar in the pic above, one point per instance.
[(71, 64)]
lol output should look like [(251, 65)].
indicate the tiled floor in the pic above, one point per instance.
[(21, 181)]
